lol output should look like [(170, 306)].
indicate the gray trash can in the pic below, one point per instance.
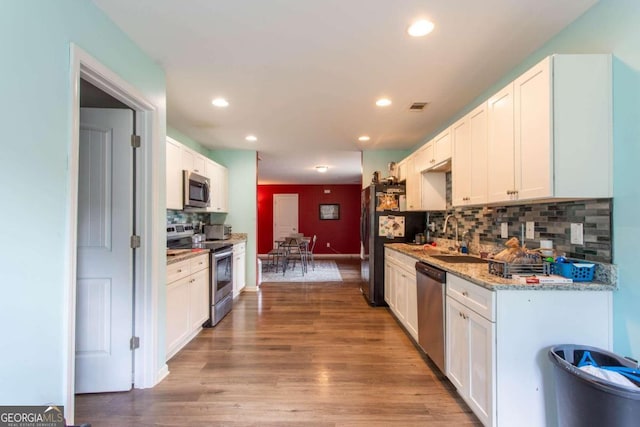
[(586, 400)]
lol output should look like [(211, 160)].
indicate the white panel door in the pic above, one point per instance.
[(285, 216), (104, 299)]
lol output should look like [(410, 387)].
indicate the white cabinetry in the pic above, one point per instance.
[(470, 354), (179, 158), (218, 179), (187, 301), (426, 191), (469, 162), (556, 114), (497, 344), (239, 268), (174, 174), (401, 290), (413, 186)]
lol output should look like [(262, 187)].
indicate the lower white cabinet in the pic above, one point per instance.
[(400, 290), (239, 268), (498, 340), (187, 301), (470, 357)]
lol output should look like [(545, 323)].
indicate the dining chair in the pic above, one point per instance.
[(310, 251), (296, 250), (276, 256)]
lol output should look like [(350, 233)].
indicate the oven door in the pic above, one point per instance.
[(196, 190), (222, 275)]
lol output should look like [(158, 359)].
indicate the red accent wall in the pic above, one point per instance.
[(342, 234)]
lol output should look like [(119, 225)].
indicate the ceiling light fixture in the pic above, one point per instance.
[(322, 169), (364, 138), (383, 102), (251, 138), (220, 102), (420, 28)]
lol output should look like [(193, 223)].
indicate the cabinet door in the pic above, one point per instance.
[(177, 314), (478, 140), (442, 147), (239, 263), (533, 133), (198, 299), (457, 348), (411, 316), (401, 295), (388, 277), (213, 173), (401, 169), (424, 157), (461, 163), (413, 185), (174, 175), (481, 368), (501, 181)]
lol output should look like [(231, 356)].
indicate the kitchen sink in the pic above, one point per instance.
[(458, 259)]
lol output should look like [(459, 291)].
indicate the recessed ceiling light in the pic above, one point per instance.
[(420, 28), (364, 138), (383, 102), (251, 138), (322, 169), (220, 102)]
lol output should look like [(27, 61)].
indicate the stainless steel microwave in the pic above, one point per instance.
[(197, 192)]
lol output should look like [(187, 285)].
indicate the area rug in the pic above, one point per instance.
[(325, 271)]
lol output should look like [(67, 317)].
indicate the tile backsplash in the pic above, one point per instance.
[(552, 221), (179, 217)]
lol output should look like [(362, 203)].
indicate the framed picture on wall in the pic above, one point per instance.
[(330, 211)]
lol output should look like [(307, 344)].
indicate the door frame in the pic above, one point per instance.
[(149, 369), (273, 210)]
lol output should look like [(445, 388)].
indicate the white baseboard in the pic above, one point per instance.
[(162, 374)]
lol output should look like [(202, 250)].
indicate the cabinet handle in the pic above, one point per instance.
[(179, 270), (465, 293)]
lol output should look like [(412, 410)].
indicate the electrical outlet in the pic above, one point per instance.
[(504, 230), (530, 232), (328, 244), (577, 237)]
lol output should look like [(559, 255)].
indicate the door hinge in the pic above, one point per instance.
[(134, 343), (135, 241), (135, 141)]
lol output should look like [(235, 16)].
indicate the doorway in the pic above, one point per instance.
[(148, 366), (285, 216)]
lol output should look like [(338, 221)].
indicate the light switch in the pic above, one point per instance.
[(504, 230), (577, 234), (530, 232)]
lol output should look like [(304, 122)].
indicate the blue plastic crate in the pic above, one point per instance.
[(577, 273)]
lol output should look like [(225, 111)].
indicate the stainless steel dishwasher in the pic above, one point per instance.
[(431, 293)]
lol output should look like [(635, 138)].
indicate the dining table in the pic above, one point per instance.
[(293, 248)]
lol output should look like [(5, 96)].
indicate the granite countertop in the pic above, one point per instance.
[(478, 273), (177, 255)]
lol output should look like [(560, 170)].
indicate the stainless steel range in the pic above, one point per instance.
[(183, 236)]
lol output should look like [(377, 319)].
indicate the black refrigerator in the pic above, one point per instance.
[(382, 221)]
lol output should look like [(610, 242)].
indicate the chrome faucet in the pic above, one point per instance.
[(446, 222)]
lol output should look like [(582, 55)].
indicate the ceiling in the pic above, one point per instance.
[(303, 75)]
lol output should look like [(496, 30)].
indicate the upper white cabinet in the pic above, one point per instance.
[(469, 160), (550, 132), (412, 184), (426, 191), (174, 174), (401, 170), (218, 179), (435, 153), (179, 158)]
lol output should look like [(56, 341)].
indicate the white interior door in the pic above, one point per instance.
[(285, 215), (104, 313)]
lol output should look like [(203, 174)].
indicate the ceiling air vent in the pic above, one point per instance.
[(418, 106)]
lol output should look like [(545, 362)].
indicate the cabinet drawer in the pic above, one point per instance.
[(239, 247), (178, 271), (477, 298), (199, 263), (400, 258)]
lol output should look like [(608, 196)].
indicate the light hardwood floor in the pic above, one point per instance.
[(293, 355)]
